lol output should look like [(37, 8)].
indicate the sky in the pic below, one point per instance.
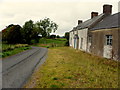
[(65, 13)]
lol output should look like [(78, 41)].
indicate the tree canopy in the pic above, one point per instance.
[(67, 35), (12, 34), (46, 26), (27, 31), (30, 31)]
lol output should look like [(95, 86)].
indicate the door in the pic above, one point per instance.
[(78, 43), (107, 52), (75, 43), (89, 43), (81, 46)]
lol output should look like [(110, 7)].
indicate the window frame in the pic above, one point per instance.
[(89, 39), (109, 39)]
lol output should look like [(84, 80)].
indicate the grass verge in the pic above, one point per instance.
[(66, 67), (48, 43), (13, 51)]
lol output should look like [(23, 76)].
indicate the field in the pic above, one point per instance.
[(8, 49), (66, 67), (48, 43)]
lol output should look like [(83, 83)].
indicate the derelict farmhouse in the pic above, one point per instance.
[(99, 35)]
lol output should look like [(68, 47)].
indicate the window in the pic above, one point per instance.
[(81, 43), (108, 39), (90, 39)]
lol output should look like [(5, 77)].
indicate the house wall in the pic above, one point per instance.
[(98, 42), (82, 34), (119, 44), (71, 38)]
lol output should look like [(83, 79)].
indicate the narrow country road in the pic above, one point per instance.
[(18, 68)]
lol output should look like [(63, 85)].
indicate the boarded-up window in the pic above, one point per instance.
[(81, 46), (108, 39), (90, 39)]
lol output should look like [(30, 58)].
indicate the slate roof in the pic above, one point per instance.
[(108, 22), (90, 22)]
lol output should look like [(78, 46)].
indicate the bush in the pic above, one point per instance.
[(55, 78), (67, 43), (8, 47), (33, 41), (54, 86), (6, 54)]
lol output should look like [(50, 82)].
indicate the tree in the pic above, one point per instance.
[(28, 31), (46, 26), (67, 35), (53, 36), (58, 36), (12, 34)]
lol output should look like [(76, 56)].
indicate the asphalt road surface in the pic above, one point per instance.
[(18, 68)]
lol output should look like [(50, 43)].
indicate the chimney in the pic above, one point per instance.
[(79, 21), (107, 9), (94, 14)]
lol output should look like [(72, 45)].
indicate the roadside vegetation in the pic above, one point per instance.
[(29, 33), (16, 38), (66, 67), (11, 49)]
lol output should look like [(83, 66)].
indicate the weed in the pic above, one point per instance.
[(13, 51), (54, 86), (54, 78)]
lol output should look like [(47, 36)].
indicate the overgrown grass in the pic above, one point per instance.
[(8, 49), (48, 43), (66, 67)]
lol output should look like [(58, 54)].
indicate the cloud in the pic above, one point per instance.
[(65, 14)]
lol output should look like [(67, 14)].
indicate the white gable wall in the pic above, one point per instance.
[(71, 38), (82, 34)]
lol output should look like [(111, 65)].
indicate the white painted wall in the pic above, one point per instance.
[(89, 45), (83, 34), (107, 51), (71, 38)]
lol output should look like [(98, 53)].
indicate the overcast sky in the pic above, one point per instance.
[(64, 12)]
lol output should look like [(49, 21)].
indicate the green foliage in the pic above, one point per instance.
[(8, 50), (53, 36), (58, 36), (29, 32), (54, 86), (67, 37), (54, 78), (12, 34), (33, 41), (7, 47), (69, 77), (60, 42), (46, 26), (67, 43)]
